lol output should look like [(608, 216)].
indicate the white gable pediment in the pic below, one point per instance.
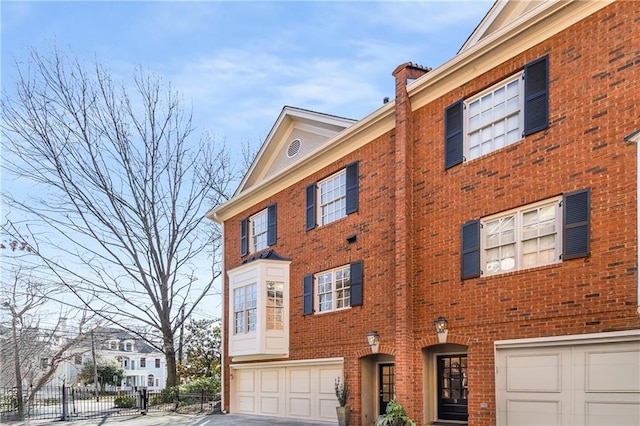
[(295, 134), (502, 14)]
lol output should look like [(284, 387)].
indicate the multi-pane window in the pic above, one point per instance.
[(143, 362), (494, 118), (157, 362), (150, 380), (522, 238), (245, 305), (333, 290), (258, 231), (333, 198), (275, 306)]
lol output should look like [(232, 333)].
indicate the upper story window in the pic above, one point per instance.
[(113, 345), (245, 309), (143, 362), (332, 198), (499, 116), (494, 118), (333, 290), (258, 231), (128, 347), (538, 234), (157, 362), (522, 238), (275, 306)]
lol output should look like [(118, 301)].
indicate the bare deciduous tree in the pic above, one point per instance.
[(31, 351), (119, 188)]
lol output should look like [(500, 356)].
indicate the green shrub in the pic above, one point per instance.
[(125, 401)]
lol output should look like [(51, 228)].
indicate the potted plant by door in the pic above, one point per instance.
[(394, 415), (342, 392)]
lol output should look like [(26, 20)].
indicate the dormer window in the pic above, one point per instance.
[(128, 347), (113, 345)]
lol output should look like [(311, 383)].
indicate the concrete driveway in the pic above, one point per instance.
[(172, 419)]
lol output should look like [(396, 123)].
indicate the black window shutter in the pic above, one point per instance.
[(536, 95), (352, 188), (307, 295), (576, 208), (272, 224), (453, 135), (311, 206), (470, 249), (244, 237), (356, 283)]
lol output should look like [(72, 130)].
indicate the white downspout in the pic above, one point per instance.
[(635, 137)]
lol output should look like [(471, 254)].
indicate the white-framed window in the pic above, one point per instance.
[(143, 362), (332, 198), (113, 345), (128, 347), (150, 380), (258, 231), (157, 362), (275, 305), (494, 118), (245, 306), (333, 289), (522, 238)]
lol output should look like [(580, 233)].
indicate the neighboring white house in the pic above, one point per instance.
[(144, 366)]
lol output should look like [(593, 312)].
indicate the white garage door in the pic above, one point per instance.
[(584, 380), (303, 390)]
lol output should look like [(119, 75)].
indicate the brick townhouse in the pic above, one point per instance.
[(469, 248)]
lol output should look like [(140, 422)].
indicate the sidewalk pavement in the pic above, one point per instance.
[(173, 419)]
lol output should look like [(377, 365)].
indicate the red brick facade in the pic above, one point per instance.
[(411, 210)]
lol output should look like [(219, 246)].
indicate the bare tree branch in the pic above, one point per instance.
[(120, 191)]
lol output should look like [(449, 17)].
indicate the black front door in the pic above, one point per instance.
[(452, 387), (387, 385)]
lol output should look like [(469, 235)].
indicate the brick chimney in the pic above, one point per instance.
[(403, 225)]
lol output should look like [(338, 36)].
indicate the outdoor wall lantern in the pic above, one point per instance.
[(374, 339), (441, 328)]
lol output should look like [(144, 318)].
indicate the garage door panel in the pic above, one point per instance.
[(533, 413), (299, 407), (612, 413), (246, 381), (246, 404), (270, 405), (612, 371), (534, 373), (300, 381), (269, 381)]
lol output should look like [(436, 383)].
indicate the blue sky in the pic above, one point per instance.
[(238, 63)]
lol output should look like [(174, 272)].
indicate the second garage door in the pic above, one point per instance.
[(575, 380), (303, 390)]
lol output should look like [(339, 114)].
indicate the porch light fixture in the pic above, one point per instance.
[(373, 339), (441, 328)]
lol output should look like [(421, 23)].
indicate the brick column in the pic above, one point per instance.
[(404, 365)]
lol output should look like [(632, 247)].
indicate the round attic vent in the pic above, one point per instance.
[(294, 148)]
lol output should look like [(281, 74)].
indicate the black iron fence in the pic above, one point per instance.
[(68, 403)]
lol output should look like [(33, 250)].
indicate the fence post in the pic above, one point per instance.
[(201, 400), (65, 400), (143, 401)]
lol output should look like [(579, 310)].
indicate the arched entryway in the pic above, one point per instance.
[(445, 383), (378, 385)]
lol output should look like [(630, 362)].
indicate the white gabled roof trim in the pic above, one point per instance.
[(531, 28)]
